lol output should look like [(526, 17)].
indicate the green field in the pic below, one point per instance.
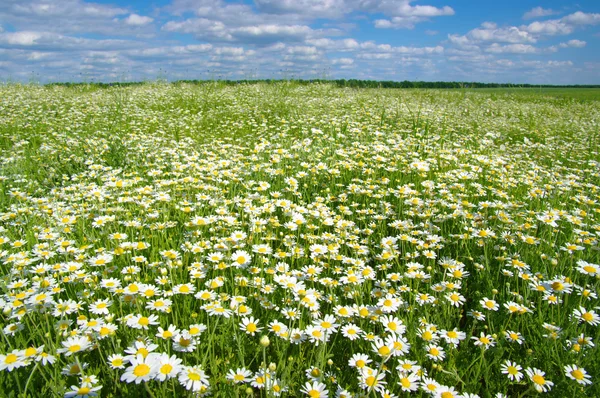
[(582, 94), (169, 240)]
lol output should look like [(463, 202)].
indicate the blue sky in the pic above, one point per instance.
[(550, 42)]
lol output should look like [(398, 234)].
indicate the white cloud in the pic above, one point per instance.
[(581, 18), (551, 27), (539, 12), (312, 8), (342, 61), (51, 41), (573, 43), (138, 20), (21, 38), (489, 32), (512, 49)]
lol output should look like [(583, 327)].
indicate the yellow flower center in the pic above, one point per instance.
[(538, 379), (141, 370)]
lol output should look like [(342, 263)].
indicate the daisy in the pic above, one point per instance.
[(456, 299), (193, 378), (512, 370), (435, 353), (140, 370), (167, 367), (184, 342), (539, 382), (100, 307), (74, 345), (409, 382), (454, 336), (351, 331), (578, 374), (359, 361), (169, 333), (586, 316), (485, 341), (117, 361), (489, 304), (12, 360), (513, 337), (446, 392), (406, 366), (371, 380), (142, 322), (430, 385), (315, 389), (393, 324), (587, 268), (241, 258), (250, 326), (240, 375), (83, 391), (278, 328)]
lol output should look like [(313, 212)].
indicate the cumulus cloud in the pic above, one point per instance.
[(137, 20), (57, 42), (573, 43), (551, 27), (512, 49), (539, 12), (582, 18)]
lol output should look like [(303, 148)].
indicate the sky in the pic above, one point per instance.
[(509, 41)]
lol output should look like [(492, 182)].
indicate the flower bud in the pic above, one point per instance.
[(264, 341)]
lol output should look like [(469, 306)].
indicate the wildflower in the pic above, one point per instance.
[(74, 345), (12, 360), (489, 304), (435, 353), (193, 378), (514, 337), (167, 367), (539, 382), (578, 374), (454, 336), (408, 381), (250, 326), (351, 331), (371, 380), (315, 389), (142, 322), (456, 299), (141, 369), (512, 370), (117, 361), (83, 391), (484, 340), (586, 316), (240, 375)]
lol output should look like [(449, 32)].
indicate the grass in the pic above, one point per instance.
[(286, 240), (581, 94)]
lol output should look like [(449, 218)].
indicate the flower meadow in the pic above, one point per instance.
[(169, 240)]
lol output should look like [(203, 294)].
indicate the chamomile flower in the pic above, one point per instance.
[(240, 375), (512, 370), (578, 374), (193, 378), (250, 326), (73, 345), (540, 383), (141, 369), (167, 367), (315, 389)]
